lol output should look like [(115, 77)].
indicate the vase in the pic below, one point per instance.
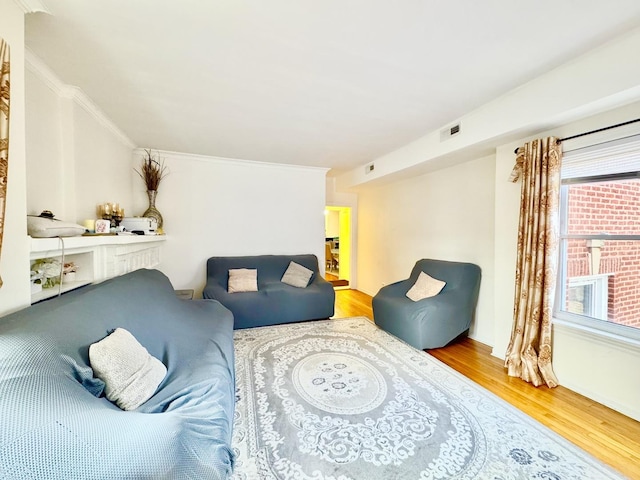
[(152, 211), (69, 277)]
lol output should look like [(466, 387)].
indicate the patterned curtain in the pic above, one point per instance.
[(4, 132), (529, 352)]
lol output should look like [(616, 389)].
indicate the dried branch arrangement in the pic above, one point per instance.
[(152, 171)]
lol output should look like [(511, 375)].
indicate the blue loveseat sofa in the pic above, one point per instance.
[(275, 302), (55, 421)]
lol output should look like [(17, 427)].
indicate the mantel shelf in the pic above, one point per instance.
[(55, 243), (98, 257)]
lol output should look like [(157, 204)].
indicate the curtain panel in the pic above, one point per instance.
[(4, 133), (529, 352)]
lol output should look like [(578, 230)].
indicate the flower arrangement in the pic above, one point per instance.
[(46, 271), (69, 271), (69, 268), (152, 171), (36, 279)]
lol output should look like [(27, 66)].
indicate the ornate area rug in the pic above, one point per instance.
[(342, 399)]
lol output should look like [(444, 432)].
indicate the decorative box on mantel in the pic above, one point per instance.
[(97, 257)]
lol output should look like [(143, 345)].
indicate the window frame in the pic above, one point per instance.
[(599, 292), (590, 323)]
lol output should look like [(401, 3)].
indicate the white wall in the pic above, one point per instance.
[(215, 206), (46, 169), (447, 215), (76, 158), (332, 224), (14, 257), (103, 170)]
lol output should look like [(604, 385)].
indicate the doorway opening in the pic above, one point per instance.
[(337, 233)]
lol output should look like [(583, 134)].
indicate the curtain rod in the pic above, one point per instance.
[(591, 132)]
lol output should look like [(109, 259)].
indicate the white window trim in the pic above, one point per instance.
[(602, 331)]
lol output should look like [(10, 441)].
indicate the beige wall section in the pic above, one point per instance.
[(14, 259), (447, 214), (598, 367), (507, 204)]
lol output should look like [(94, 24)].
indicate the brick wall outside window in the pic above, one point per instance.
[(611, 207)]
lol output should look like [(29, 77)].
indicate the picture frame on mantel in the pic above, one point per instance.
[(103, 226)]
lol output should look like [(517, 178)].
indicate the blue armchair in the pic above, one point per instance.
[(432, 322)]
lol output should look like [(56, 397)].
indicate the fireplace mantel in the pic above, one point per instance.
[(98, 257)]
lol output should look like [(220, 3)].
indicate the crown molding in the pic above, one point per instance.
[(35, 64), (32, 6), (229, 161), (96, 112)]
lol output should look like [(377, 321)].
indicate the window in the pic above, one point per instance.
[(599, 269), (588, 296)]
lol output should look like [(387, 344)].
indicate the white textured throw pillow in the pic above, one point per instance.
[(131, 375), (425, 287), (42, 227), (297, 275), (243, 280)]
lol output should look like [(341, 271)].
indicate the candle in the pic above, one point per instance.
[(89, 224)]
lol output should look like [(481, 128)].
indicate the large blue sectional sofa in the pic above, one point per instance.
[(55, 421), (274, 302)]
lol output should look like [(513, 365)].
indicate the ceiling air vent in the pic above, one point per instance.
[(369, 168), (447, 133)]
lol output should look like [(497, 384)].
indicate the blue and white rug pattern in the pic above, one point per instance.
[(344, 400)]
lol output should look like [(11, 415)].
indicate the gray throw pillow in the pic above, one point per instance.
[(297, 275), (131, 375)]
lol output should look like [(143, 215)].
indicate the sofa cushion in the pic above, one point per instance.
[(243, 280), (426, 286), (297, 275), (130, 374)]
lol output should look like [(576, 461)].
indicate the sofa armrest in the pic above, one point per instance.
[(214, 290)]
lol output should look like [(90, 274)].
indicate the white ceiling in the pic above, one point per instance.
[(331, 83)]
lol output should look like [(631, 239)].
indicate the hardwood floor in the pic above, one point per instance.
[(604, 433), (336, 280)]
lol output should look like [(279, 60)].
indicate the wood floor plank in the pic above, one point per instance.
[(606, 434)]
